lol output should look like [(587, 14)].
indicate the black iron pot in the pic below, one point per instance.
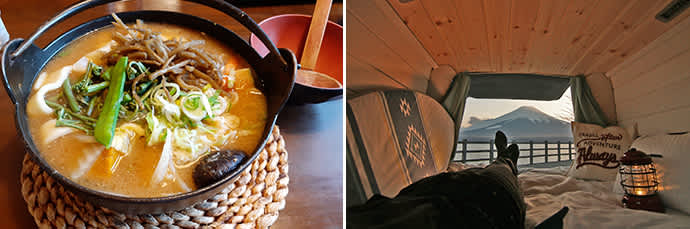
[(22, 61)]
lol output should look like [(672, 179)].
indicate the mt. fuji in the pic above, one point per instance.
[(523, 124)]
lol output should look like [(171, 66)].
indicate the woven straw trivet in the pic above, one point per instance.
[(253, 201)]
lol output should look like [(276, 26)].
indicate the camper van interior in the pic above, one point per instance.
[(414, 66)]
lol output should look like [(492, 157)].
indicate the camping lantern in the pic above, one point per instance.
[(639, 181)]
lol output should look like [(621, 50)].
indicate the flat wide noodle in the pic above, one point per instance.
[(50, 132), (37, 104), (164, 161)]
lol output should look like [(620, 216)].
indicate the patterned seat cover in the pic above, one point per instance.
[(394, 138)]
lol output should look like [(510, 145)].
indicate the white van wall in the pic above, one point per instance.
[(652, 87), (382, 52), (440, 80)]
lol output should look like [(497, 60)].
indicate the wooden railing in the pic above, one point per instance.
[(562, 153)]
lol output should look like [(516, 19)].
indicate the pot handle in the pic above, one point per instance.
[(223, 6)]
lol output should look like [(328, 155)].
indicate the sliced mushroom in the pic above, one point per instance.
[(214, 166)]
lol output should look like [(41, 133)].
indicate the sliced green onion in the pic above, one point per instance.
[(195, 106), (192, 103)]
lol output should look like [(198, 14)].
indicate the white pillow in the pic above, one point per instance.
[(598, 150), (672, 168)]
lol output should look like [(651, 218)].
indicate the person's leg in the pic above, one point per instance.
[(503, 172), (506, 161), (475, 198), (430, 211), (492, 191), (507, 152)]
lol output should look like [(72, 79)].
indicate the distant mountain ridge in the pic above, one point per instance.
[(523, 124)]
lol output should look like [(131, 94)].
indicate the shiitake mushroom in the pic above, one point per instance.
[(215, 166)]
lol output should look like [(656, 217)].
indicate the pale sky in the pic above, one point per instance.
[(492, 108)]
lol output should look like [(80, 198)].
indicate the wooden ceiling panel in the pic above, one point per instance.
[(497, 28), (523, 16), (545, 27), (471, 33), (383, 22), (562, 37), (618, 30), (445, 20), (412, 13), (394, 66), (569, 23), (601, 17)]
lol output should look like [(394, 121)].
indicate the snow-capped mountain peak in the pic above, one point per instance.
[(525, 121), (530, 113)]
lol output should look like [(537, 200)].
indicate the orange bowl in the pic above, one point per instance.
[(290, 31)]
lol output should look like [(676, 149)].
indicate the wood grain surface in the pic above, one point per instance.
[(313, 132), (552, 37)]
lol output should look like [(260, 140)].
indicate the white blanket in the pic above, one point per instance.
[(592, 203)]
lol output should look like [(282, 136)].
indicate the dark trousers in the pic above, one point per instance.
[(487, 197)]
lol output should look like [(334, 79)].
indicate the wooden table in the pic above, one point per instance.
[(313, 132)]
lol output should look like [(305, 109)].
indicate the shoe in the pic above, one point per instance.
[(512, 153), (500, 141)]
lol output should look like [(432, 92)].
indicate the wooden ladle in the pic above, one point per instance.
[(310, 53)]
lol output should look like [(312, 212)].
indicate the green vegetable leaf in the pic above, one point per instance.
[(67, 91), (106, 74), (156, 131), (143, 87), (96, 70)]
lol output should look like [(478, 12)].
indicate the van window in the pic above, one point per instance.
[(540, 128)]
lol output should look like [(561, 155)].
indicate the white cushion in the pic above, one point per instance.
[(672, 168), (598, 150)]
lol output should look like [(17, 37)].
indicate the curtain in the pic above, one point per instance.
[(585, 106), (454, 100), (517, 86)]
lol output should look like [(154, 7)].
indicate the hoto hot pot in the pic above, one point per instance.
[(22, 61)]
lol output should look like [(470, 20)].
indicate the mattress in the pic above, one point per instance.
[(592, 204)]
